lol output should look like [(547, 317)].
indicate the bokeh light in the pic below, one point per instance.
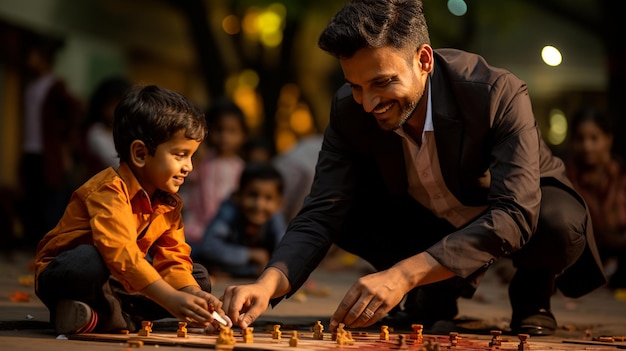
[(551, 56), (457, 7), (558, 127), (231, 25)]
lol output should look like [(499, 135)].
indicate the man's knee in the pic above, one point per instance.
[(559, 238)]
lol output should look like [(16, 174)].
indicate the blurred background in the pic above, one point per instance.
[(263, 55)]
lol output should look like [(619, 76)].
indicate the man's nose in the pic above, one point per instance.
[(369, 101)]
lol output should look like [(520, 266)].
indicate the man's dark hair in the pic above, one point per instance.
[(153, 115), (374, 24), (260, 171)]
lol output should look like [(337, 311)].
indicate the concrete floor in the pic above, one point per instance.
[(24, 325)]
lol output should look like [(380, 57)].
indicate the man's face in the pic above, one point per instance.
[(385, 83)]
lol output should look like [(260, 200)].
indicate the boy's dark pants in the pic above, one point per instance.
[(80, 274)]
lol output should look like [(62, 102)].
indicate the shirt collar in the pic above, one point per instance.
[(139, 196)]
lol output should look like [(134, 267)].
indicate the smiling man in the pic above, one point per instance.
[(432, 169)]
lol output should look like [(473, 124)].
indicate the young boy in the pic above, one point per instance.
[(248, 226), (118, 256)]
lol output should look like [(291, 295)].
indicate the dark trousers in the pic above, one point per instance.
[(408, 228), (80, 274)]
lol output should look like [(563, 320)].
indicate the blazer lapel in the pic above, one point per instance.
[(448, 131)]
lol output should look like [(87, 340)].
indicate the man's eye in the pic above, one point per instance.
[(382, 83)]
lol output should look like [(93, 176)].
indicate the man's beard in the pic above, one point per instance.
[(405, 114)]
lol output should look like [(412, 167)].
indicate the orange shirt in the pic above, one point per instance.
[(112, 212)]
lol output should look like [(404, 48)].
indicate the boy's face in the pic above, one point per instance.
[(259, 200), (171, 163), (228, 135)]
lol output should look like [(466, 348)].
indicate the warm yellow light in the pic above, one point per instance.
[(301, 121), (250, 21), (551, 56), (269, 22), (246, 98), (231, 24), (272, 39), (285, 139), (249, 78), (558, 127)]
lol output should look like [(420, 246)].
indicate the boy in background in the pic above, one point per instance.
[(118, 255), (248, 226)]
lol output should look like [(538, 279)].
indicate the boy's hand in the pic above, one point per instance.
[(188, 304), (189, 307)]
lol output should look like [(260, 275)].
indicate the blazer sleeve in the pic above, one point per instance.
[(310, 234)]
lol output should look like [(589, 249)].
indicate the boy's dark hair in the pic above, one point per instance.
[(153, 115), (224, 106), (374, 24), (260, 171)]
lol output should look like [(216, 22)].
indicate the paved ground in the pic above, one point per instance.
[(24, 325)]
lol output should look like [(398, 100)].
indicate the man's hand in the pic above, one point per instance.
[(245, 303), (369, 299), (373, 295)]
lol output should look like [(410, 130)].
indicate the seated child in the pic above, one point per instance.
[(118, 255), (248, 225)]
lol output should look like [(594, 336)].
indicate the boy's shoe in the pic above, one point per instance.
[(74, 317)]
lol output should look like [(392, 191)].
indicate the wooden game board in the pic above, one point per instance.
[(363, 341)]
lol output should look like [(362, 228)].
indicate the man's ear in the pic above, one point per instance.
[(425, 58), (138, 153)]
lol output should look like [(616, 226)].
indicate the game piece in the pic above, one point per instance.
[(124, 331), (276, 333), (182, 330), (384, 332), (247, 335), (523, 342), (293, 342), (416, 335), (226, 336), (496, 338), (146, 328), (318, 331), (430, 346), (342, 336), (135, 343), (454, 339), (401, 345)]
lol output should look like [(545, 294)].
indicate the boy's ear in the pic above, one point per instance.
[(138, 153)]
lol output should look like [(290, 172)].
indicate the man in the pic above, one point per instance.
[(432, 168)]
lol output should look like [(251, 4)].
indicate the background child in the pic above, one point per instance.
[(118, 255), (218, 167), (248, 226)]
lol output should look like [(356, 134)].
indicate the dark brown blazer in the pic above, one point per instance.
[(490, 151)]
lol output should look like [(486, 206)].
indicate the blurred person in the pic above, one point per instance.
[(218, 167), (258, 149), (100, 149), (432, 168), (600, 177), (51, 114), (248, 226), (297, 166), (118, 255)]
